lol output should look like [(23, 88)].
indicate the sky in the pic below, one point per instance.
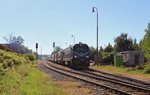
[(48, 21)]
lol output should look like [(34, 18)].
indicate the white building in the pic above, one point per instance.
[(133, 58)]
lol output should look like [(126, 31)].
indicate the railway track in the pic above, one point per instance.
[(120, 87), (118, 78)]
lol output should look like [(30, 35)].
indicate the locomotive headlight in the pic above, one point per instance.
[(87, 56), (75, 56)]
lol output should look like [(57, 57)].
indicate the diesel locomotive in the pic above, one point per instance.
[(76, 56)]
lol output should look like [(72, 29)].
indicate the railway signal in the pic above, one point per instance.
[(36, 52), (53, 44), (36, 45)]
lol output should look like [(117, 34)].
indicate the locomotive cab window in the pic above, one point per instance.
[(81, 48)]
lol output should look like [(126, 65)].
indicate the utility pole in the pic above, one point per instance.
[(73, 38), (41, 54)]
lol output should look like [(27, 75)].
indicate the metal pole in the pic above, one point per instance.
[(97, 31), (96, 28), (41, 54), (36, 55), (74, 39)]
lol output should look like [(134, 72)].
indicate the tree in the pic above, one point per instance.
[(140, 44), (101, 48), (92, 49), (123, 43), (16, 43), (146, 42), (92, 52), (14, 40), (56, 49), (135, 45), (108, 48)]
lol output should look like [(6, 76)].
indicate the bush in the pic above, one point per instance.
[(8, 63), (7, 56), (139, 67), (8, 59), (108, 57), (29, 56), (147, 68), (1, 59)]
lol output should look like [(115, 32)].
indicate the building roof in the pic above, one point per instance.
[(7, 47)]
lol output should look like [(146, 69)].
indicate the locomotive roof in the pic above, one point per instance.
[(71, 46)]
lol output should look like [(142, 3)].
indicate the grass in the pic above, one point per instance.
[(28, 80), (73, 88), (18, 76), (131, 72), (38, 83)]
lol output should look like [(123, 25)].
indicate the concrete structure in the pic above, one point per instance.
[(132, 58)]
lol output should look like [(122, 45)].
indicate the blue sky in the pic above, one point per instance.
[(48, 21)]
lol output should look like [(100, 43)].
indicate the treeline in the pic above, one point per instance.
[(16, 44), (124, 42)]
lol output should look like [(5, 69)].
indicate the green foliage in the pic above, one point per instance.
[(8, 59), (92, 52), (108, 48), (19, 78), (37, 83), (138, 67), (136, 46), (107, 57), (124, 71), (29, 56), (56, 49), (140, 44), (125, 43), (147, 68), (107, 54), (26, 79), (146, 43)]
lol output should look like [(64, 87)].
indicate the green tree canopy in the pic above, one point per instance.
[(101, 48), (56, 49), (92, 49), (136, 46), (92, 52), (108, 48), (123, 43), (146, 42)]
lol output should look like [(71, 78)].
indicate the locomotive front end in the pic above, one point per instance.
[(81, 56)]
